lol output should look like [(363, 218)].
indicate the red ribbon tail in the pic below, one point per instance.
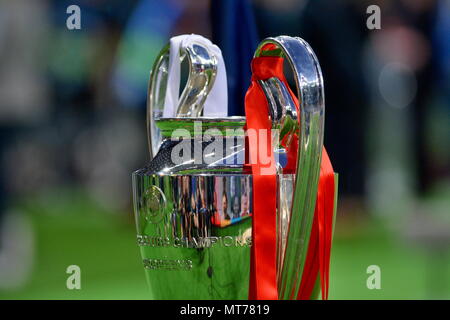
[(319, 249)]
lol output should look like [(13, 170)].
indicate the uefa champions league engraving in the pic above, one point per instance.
[(194, 201)]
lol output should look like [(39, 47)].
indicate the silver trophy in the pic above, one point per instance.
[(193, 216)]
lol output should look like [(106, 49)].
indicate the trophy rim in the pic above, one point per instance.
[(167, 125), (204, 119)]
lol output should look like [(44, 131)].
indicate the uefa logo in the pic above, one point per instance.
[(153, 205)]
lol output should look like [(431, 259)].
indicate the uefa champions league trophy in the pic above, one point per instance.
[(194, 201)]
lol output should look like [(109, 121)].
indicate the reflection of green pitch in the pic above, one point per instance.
[(219, 272)]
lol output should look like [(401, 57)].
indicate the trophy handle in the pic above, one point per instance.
[(202, 73), (310, 93)]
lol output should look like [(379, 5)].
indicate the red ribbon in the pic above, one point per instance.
[(319, 249), (263, 267)]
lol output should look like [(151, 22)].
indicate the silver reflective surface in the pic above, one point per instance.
[(202, 73), (157, 87), (194, 233), (193, 146), (283, 113), (186, 208)]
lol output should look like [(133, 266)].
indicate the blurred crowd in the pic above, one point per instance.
[(72, 102)]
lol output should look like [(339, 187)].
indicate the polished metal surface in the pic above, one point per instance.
[(194, 233), (194, 215), (194, 218), (285, 183), (155, 100), (310, 92), (227, 199), (193, 145), (281, 106), (282, 112), (202, 73), (197, 126)]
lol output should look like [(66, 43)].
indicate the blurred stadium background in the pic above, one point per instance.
[(72, 129)]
